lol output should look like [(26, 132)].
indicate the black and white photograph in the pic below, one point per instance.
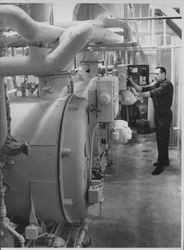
[(91, 124)]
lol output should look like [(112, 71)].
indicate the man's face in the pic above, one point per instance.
[(158, 75)]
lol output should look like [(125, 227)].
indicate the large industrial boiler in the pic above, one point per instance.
[(59, 120)]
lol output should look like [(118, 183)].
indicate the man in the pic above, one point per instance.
[(162, 94)]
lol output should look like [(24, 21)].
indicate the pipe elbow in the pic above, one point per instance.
[(108, 22), (72, 41), (15, 18)]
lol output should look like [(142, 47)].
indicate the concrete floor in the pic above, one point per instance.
[(139, 209)]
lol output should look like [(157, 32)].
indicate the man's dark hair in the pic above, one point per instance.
[(162, 69)]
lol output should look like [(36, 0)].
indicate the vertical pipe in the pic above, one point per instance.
[(41, 13), (164, 33), (171, 142), (149, 28), (125, 32), (125, 20), (152, 29), (3, 116), (3, 210), (131, 57), (126, 52), (14, 77), (181, 122)]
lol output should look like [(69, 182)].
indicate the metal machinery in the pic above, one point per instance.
[(70, 124)]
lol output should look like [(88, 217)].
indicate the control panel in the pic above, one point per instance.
[(139, 74)]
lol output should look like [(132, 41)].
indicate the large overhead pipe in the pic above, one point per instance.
[(105, 22), (15, 18), (72, 41), (112, 23), (117, 10)]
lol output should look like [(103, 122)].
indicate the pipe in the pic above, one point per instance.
[(72, 41), (117, 10), (153, 18), (5, 222), (170, 14), (3, 120), (82, 234), (15, 18), (16, 234), (112, 23), (104, 22), (3, 210)]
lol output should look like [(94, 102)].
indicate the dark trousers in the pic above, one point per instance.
[(162, 129)]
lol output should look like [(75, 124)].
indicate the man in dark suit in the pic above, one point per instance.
[(162, 94)]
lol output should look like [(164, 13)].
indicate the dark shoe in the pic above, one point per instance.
[(158, 170), (156, 164)]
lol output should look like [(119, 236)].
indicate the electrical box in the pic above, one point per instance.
[(107, 98), (139, 74), (95, 192), (31, 232)]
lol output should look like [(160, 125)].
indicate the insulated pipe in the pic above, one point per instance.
[(105, 22), (83, 231), (15, 18), (116, 23), (16, 234), (115, 9), (72, 41)]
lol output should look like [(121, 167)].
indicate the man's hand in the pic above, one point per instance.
[(134, 85), (145, 94), (138, 96), (133, 90), (130, 80)]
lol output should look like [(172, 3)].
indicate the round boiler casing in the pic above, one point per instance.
[(55, 174)]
